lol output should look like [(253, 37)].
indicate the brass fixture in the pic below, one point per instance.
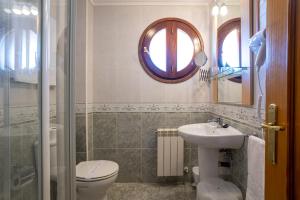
[(272, 130)]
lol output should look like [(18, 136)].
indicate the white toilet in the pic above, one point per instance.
[(93, 179)]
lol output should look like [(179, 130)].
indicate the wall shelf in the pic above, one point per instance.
[(228, 72)]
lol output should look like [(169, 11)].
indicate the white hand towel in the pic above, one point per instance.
[(256, 169)]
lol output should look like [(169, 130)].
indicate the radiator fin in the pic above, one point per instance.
[(170, 154)]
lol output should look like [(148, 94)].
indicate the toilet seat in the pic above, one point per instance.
[(91, 171)]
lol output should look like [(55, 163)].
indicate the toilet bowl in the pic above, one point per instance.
[(93, 179)]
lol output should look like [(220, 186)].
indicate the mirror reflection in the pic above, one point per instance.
[(228, 72)]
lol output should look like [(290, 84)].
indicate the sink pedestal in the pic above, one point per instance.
[(208, 162)]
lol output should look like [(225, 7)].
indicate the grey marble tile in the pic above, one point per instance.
[(16, 150), (172, 192), (146, 191), (5, 164), (80, 156), (133, 191), (90, 136), (129, 130), (105, 154), (194, 157), (28, 150), (149, 166), (129, 161), (200, 117), (239, 167), (175, 120), (104, 130), (80, 133), (187, 157), (150, 123), (188, 163)]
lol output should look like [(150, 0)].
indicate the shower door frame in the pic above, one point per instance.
[(45, 106)]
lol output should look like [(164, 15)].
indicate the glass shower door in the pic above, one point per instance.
[(20, 124), (35, 111)]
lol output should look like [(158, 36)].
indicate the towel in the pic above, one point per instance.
[(256, 169)]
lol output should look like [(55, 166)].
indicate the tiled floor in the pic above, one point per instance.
[(148, 191)]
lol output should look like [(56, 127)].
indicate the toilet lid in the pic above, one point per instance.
[(98, 169)]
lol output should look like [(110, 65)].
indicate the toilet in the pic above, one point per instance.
[(215, 188), (93, 179)]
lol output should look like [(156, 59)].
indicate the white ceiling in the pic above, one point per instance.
[(150, 2)]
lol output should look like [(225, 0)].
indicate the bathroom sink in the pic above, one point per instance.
[(208, 135)]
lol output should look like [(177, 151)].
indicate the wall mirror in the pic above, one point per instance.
[(232, 70)]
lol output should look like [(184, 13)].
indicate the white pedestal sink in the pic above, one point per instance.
[(210, 139)]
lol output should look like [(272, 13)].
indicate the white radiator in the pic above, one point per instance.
[(169, 153)]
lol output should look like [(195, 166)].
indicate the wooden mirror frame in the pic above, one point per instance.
[(247, 27)]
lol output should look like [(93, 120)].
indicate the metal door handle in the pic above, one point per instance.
[(272, 130), (272, 127)]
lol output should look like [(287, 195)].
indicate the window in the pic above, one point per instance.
[(22, 58), (167, 48), (229, 44)]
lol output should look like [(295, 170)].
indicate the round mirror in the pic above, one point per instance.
[(200, 59)]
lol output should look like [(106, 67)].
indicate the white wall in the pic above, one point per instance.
[(118, 74), (89, 52), (84, 52)]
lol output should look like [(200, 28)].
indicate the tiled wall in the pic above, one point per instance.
[(239, 158), (84, 137), (81, 147), (130, 140), (17, 155), (126, 134)]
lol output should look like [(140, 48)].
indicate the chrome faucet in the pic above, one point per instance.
[(218, 120)]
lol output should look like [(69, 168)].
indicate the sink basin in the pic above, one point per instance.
[(208, 135)]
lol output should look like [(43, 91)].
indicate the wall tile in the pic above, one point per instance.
[(80, 156), (105, 154), (90, 137), (129, 161), (129, 130), (136, 152), (200, 117), (175, 120), (136, 135), (149, 166), (150, 123), (80, 133), (104, 130)]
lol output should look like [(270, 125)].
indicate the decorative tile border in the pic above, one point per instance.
[(246, 115), (151, 107), (84, 108), (21, 114), (238, 113)]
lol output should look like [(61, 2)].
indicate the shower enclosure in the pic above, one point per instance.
[(36, 100)]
